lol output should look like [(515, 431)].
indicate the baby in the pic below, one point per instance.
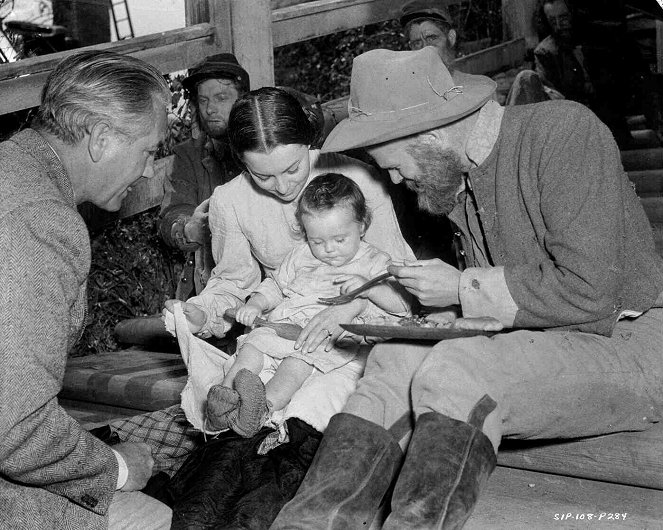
[(334, 217)]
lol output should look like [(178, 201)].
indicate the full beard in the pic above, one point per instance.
[(440, 178)]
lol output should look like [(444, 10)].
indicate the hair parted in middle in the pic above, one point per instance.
[(266, 118), (333, 190)]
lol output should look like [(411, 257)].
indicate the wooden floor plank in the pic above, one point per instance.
[(634, 458), (517, 499)]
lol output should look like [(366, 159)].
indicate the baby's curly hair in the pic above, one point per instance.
[(332, 190)]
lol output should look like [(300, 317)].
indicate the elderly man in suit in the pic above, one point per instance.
[(101, 120), (557, 251)]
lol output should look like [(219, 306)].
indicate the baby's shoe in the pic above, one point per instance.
[(254, 409), (221, 401)]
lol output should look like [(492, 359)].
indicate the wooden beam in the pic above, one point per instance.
[(491, 60), (148, 193), (220, 18), (196, 12), (322, 17), (21, 82), (642, 159), (252, 39), (659, 46)]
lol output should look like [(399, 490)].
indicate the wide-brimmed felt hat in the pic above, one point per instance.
[(425, 9), (219, 66), (396, 94)]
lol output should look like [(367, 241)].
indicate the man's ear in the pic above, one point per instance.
[(451, 38), (99, 140), (437, 136)]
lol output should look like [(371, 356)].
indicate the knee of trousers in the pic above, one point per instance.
[(454, 377)]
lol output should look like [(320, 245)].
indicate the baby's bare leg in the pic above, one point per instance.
[(248, 357), (289, 377)]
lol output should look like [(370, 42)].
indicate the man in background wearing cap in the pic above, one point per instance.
[(428, 23), (557, 248), (201, 164)]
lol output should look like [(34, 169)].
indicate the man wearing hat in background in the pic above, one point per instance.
[(201, 164), (557, 248), (429, 23)]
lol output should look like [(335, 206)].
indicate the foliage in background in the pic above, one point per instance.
[(133, 272)]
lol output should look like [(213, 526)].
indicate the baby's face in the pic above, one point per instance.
[(333, 235)]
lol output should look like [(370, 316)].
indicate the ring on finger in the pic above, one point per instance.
[(328, 333)]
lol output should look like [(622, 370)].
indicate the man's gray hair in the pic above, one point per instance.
[(94, 86)]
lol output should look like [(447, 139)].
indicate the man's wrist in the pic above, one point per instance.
[(122, 470)]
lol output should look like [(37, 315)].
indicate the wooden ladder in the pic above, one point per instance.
[(124, 29)]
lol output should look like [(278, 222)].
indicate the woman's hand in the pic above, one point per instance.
[(247, 313), (195, 316), (433, 282), (324, 327)]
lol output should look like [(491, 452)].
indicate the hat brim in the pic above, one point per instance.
[(227, 71), (362, 131)]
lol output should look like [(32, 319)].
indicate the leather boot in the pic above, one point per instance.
[(446, 466), (352, 470)]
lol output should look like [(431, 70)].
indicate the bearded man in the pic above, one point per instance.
[(558, 252)]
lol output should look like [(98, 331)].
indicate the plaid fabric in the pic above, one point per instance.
[(169, 433)]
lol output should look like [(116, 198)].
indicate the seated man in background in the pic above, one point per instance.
[(201, 164), (558, 250), (592, 61), (101, 120)]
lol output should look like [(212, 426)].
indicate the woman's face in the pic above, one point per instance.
[(282, 172)]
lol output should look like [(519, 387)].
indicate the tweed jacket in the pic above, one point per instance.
[(563, 227), (53, 474)]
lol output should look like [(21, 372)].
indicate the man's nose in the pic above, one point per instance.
[(395, 176)]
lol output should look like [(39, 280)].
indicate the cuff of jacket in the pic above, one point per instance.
[(483, 293)]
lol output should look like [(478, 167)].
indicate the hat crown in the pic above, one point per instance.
[(398, 94), (385, 84), (425, 9)]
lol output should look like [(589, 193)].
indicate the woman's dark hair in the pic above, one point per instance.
[(332, 190), (263, 119)]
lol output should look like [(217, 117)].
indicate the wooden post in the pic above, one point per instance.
[(252, 41), (659, 46), (518, 17), (196, 11)]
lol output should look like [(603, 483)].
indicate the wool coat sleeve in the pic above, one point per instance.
[(45, 261), (180, 189)]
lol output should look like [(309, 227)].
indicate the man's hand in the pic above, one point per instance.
[(195, 316), (197, 227), (138, 457), (433, 282)]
